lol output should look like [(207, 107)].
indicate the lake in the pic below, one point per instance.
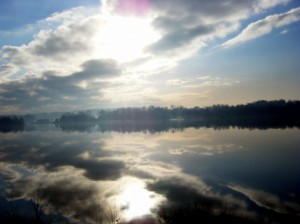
[(109, 175)]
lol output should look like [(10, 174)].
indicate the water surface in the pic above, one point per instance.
[(74, 173)]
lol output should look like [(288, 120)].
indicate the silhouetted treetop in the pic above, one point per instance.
[(80, 117), (11, 120), (260, 109), (11, 123)]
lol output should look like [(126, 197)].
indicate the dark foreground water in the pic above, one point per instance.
[(54, 175)]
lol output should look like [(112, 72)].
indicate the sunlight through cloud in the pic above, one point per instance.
[(124, 38)]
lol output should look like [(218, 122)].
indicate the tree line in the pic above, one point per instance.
[(11, 120), (260, 109), (285, 110), (11, 123)]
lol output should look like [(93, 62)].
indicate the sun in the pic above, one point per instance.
[(123, 38)]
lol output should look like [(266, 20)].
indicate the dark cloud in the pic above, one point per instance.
[(57, 45), (101, 170), (74, 198), (210, 9), (141, 174), (97, 69), (180, 37), (185, 199), (179, 192), (51, 89)]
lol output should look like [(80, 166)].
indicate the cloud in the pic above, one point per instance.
[(180, 191), (71, 195), (191, 24), (175, 82), (71, 42), (180, 37), (212, 10), (268, 200), (201, 81), (6, 70), (96, 69), (185, 191), (265, 26), (56, 154), (53, 90), (265, 4)]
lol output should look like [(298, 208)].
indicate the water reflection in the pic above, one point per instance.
[(135, 199), (80, 175), (171, 125), (153, 126)]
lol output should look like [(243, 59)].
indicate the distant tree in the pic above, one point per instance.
[(28, 118), (262, 108), (80, 117), (11, 120), (11, 124)]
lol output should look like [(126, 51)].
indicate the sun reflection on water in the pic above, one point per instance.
[(136, 201)]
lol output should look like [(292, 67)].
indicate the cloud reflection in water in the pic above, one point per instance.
[(135, 172)]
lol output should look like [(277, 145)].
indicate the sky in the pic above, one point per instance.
[(83, 54)]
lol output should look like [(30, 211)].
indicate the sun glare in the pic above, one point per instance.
[(124, 38), (136, 201)]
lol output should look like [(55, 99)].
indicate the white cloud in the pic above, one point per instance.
[(265, 26), (265, 4), (176, 82), (6, 70), (201, 81), (64, 41)]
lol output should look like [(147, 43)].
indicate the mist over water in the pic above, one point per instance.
[(131, 170)]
